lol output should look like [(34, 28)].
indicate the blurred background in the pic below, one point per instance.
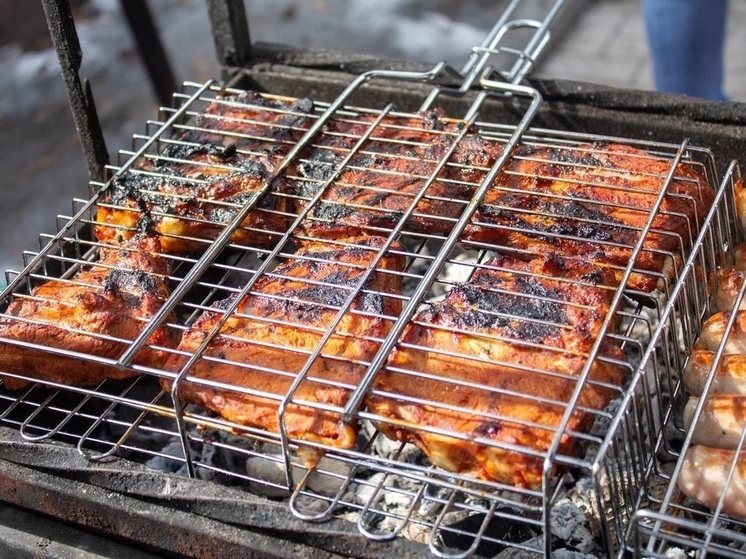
[(41, 164)]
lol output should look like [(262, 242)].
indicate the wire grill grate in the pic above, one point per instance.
[(385, 486)]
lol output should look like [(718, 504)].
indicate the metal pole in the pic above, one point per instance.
[(65, 39), (230, 32)]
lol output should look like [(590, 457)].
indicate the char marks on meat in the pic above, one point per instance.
[(592, 202), (379, 184), (498, 359), (98, 312), (193, 189), (265, 343)]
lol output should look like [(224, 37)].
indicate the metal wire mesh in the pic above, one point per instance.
[(706, 524), (419, 181)]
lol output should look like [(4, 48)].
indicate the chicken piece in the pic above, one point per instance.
[(713, 331), (252, 122), (380, 183), (721, 422), (729, 376), (739, 255), (265, 343), (704, 474), (97, 313), (591, 202), (481, 380), (190, 215), (192, 189)]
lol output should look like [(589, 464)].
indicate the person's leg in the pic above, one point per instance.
[(686, 39)]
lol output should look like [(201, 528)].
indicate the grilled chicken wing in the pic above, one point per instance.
[(264, 345), (97, 313), (721, 422), (382, 179), (194, 188), (591, 202), (481, 380), (704, 474), (729, 376)]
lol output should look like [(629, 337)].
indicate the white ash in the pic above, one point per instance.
[(570, 554), (571, 526), (516, 553), (368, 493), (386, 448), (677, 553), (327, 479)]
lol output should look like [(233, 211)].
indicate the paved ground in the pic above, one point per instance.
[(41, 166)]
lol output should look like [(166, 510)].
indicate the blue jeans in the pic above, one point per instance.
[(686, 40)]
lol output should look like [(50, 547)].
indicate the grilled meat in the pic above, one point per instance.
[(194, 188), (728, 282), (251, 122), (729, 376), (97, 313), (264, 345), (497, 361), (703, 477), (591, 202), (713, 331), (380, 183), (740, 199), (190, 214), (721, 422)]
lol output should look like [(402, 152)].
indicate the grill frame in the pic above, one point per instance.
[(390, 467), (631, 398)]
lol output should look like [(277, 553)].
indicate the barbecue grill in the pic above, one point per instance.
[(186, 481)]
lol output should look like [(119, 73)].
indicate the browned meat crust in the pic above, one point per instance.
[(591, 202), (190, 215), (252, 122), (264, 345), (380, 183), (97, 313), (193, 190), (497, 360)]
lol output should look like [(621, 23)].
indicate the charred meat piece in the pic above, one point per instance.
[(266, 342), (495, 363), (195, 186), (591, 202), (380, 183), (251, 122), (98, 312), (190, 214)]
